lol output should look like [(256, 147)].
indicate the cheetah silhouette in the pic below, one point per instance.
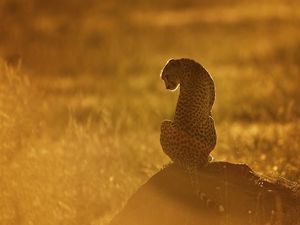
[(190, 137)]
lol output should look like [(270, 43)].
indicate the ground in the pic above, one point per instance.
[(80, 120)]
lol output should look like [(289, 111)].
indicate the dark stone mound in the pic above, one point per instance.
[(220, 193)]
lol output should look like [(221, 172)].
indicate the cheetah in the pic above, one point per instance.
[(189, 139)]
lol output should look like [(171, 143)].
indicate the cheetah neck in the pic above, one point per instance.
[(192, 102)]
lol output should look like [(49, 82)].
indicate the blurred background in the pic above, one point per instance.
[(81, 100)]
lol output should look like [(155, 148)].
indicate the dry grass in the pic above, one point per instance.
[(76, 142)]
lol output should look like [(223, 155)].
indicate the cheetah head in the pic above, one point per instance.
[(170, 74)]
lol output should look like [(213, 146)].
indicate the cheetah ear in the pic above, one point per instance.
[(172, 61), (175, 62)]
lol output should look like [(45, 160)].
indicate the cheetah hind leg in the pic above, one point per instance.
[(183, 149)]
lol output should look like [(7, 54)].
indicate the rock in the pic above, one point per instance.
[(220, 193)]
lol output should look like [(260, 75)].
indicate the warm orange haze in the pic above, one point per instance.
[(81, 100)]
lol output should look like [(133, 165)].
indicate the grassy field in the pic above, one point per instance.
[(80, 119)]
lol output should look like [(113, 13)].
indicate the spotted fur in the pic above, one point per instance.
[(191, 136)]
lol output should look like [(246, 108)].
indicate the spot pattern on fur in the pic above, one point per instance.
[(191, 136)]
